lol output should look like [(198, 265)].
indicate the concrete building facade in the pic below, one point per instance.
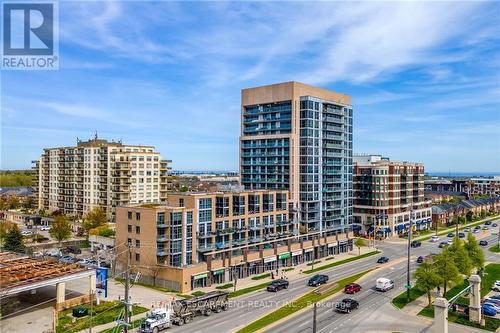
[(299, 137), (198, 239), (99, 174), (385, 193)]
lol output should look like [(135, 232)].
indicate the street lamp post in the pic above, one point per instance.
[(408, 259)]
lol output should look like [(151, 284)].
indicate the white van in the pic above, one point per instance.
[(384, 284)]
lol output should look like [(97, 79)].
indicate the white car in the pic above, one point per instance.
[(496, 286), (45, 228), (434, 239), (449, 242), (384, 284), (26, 232)]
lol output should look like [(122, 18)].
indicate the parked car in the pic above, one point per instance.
[(56, 253), (451, 235), (44, 228), (477, 227), (475, 231), (483, 243), (467, 229), (416, 243), (352, 288), (382, 260), (449, 242), (347, 305), (277, 285), (384, 284), (487, 223), (420, 260), (494, 225), (26, 232), (67, 259), (317, 279), (37, 254), (485, 228), (496, 287), (461, 235), (73, 249), (488, 310), (493, 305), (434, 239), (492, 300), (443, 244), (495, 296)]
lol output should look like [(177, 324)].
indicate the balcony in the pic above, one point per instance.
[(161, 252), (206, 248), (161, 238)]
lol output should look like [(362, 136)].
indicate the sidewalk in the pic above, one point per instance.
[(290, 275)]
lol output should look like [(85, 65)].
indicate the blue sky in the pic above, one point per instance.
[(424, 78)]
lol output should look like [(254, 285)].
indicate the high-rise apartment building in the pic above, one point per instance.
[(385, 193), (99, 174), (299, 137), (196, 239)]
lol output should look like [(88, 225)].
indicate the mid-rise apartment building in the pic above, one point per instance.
[(99, 174), (196, 239), (385, 194), (299, 137), (475, 186)]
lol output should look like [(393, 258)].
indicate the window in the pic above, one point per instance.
[(137, 229), (137, 243), (181, 202), (205, 203), (138, 216), (160, 218), (129, 228), (129, 215), (137, 257)]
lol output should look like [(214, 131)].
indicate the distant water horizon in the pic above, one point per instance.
[(462, 174), (429, 173)]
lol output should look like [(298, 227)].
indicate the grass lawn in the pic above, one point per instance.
[(134, 324), (495, 248), (225, 286), (337, 263), (400, 300), (165, 290), (298, 304), (262, 276), (313, 263), (198, 293), (492, 271), (104, 313), (244, 291)]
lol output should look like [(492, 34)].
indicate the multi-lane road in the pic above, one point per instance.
[(375, 312)]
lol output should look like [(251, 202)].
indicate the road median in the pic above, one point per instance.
[(298, 305)]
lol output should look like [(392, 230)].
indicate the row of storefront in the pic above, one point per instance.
[(270, 263)]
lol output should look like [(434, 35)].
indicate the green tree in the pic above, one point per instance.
[(469, 216), (93, 219), (4, 228), (460, 256), (14, 240), (61, 228), (359, 243), (446, 269), (427, 278), (474, 252)]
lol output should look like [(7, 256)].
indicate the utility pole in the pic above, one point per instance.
[(408, 286), (127, 288), (314, 317)]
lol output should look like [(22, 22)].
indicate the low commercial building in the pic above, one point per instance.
[(385, 194), (198, 239)]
